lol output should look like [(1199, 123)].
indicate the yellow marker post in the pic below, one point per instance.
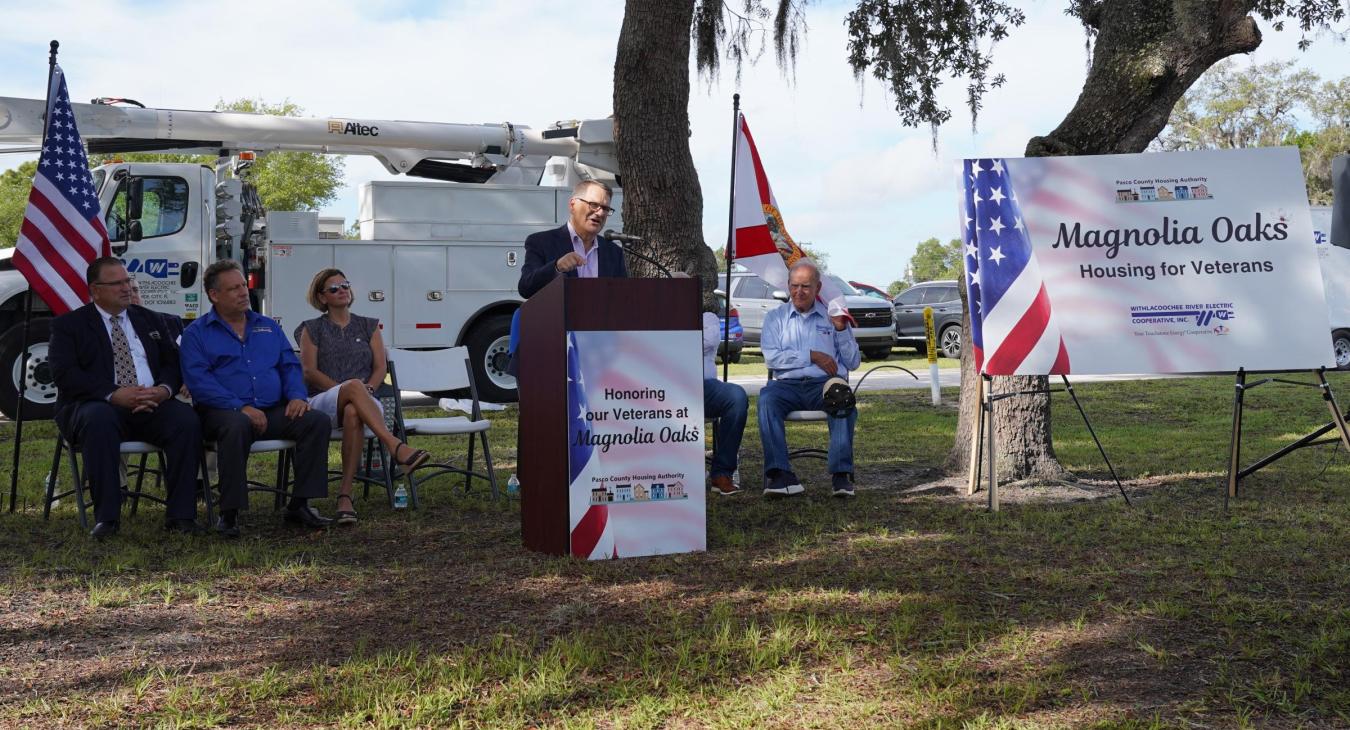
[(931, 338)]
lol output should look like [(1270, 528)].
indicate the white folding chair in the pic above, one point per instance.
[(138, 471), (285, 449), (431, 371)]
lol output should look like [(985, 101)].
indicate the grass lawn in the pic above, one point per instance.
[(898, 608)]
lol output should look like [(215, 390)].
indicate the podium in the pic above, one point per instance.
[(641, 337)]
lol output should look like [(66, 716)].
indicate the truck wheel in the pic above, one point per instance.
[(921, 348), (1340, 343), (949, 342), (489, 351), (40, 395)]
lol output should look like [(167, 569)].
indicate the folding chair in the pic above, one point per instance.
[(437, 370), (285, 449), (138, 470), (808, 452)]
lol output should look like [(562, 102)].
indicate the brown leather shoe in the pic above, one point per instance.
[(722, 485)]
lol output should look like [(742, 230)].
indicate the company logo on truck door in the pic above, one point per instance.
[(155, 268), (352, 128)]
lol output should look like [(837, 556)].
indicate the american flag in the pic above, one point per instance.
[(62, 228), (1013, 328), (591, 535)]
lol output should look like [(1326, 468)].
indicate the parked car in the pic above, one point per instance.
[(868, 290), (754, 297), (945, 299), (730, 320)]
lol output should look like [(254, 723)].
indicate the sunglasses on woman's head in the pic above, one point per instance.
[(334, 289)]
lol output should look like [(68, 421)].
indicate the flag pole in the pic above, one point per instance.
[(28, 309), (730, 250)]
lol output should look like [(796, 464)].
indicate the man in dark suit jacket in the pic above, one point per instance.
[(575, 248), (116, 382)]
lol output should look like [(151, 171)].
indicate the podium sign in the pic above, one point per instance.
[(611, 418), (635, 443)]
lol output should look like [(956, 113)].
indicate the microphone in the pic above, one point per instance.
[(614, 235), (619, 238)]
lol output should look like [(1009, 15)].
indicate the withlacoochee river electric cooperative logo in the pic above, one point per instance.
[(1183, 319)]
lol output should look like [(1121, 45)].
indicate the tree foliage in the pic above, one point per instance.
[(14, 187), (1263, 106), (934, 260)]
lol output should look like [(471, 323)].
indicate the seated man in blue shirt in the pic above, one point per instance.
[(804, 347), (248, 385)]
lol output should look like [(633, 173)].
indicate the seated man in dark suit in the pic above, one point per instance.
[(116, 382), (575, 248)]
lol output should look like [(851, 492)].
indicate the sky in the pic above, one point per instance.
[(847, 176)]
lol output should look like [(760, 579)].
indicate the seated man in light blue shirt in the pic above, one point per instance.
[(804, 347)]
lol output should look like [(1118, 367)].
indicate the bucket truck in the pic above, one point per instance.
[(437, 262)]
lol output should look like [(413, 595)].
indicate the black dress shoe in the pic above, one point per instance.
[(184, 526), (308, 517), (227, 530), (103, 530)]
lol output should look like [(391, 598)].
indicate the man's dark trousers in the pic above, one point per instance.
[(233, 433), (99, 427)]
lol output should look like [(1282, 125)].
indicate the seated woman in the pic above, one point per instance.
[(343, 357)]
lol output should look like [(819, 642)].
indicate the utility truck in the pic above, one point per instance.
[(437, 262)]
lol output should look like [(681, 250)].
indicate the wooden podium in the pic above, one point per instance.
[(570, 304)]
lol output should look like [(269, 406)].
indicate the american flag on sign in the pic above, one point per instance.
[(62, 227), (592, 535), (1013, 328)]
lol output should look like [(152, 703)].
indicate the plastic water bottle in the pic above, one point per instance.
[(513, 486), (50, 483), (400, 498), (736, 476)]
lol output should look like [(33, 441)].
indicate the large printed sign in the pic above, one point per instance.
[(1154, 263), (635, 443)]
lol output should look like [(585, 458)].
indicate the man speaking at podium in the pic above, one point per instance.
[(576, 248)]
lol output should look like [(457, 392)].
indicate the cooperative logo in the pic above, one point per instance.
[(154, 268), (1200, 315), (353, 128)]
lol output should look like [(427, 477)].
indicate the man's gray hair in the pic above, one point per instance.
[(806, 264), (580, 188)]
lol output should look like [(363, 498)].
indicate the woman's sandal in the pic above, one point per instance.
[(414, 460), (346, 516)]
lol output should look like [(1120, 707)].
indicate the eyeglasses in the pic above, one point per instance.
[(334, 289), (119, 282), (596, 207)]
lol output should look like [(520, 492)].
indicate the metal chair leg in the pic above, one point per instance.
[(52, 478), (492, 472)]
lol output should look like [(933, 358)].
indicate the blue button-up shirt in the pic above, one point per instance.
[(789, 336), (223, 371)]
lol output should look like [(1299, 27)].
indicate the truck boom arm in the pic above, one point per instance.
[(399, 145)]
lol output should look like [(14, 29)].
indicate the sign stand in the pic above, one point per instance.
[(986, 421), (1240, 387)]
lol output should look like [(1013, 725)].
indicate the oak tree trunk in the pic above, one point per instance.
[(662, 201), (1147, 54)]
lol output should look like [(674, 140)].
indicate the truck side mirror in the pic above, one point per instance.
[(134, 230), (135, 199), (780, 295), (187, 274)]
